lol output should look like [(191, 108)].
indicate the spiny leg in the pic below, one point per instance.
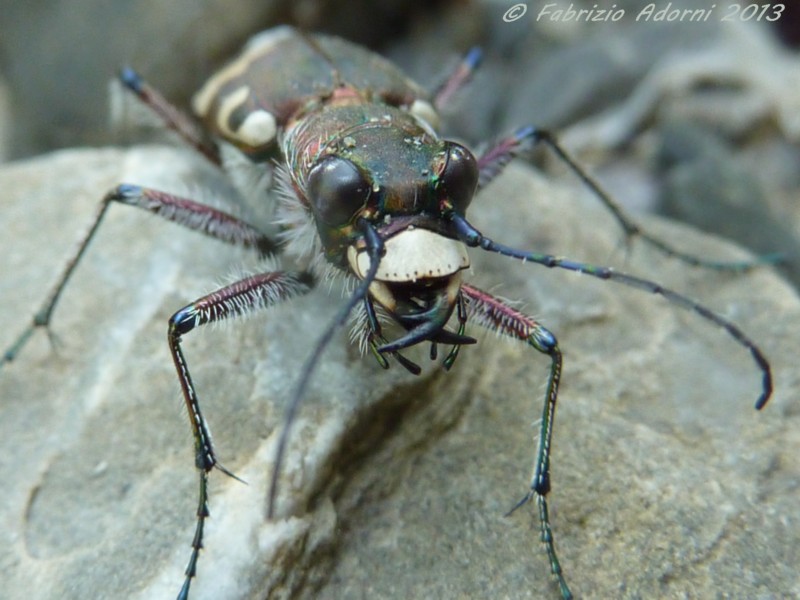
[(494, 159), (495, 315), (195, 216), (472, 237), (188, 213), (173, 117), (252, 293)]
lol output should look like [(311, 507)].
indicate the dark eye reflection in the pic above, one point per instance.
[(336, 189), (458, 177)]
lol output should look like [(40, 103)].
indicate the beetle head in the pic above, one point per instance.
[(404, 181)]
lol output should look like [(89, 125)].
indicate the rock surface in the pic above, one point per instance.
[(666, 482)]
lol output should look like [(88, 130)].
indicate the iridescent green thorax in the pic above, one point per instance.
[(396, 153)]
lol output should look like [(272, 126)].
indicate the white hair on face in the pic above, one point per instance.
[(298, 231), (359, 328)]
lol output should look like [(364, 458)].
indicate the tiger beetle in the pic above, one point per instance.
[(364, 187)]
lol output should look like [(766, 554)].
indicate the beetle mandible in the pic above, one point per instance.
[(364, 187)]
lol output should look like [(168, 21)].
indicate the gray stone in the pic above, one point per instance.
[(705, 184), (595, 71), (666, 482)]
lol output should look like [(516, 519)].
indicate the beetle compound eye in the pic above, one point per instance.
[(458, 176), (336, 189)]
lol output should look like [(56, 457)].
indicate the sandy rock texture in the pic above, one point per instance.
[(666, 482)]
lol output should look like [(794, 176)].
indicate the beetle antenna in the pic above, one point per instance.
[(376, 250), (474, 238)]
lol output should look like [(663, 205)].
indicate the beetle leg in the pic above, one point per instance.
[(458, 78), (472, 237), (190, 214), (194, 215), (493, 160), (255, 292), (173, 117), (498, 316)]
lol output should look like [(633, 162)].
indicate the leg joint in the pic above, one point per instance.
[(183, 321)]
